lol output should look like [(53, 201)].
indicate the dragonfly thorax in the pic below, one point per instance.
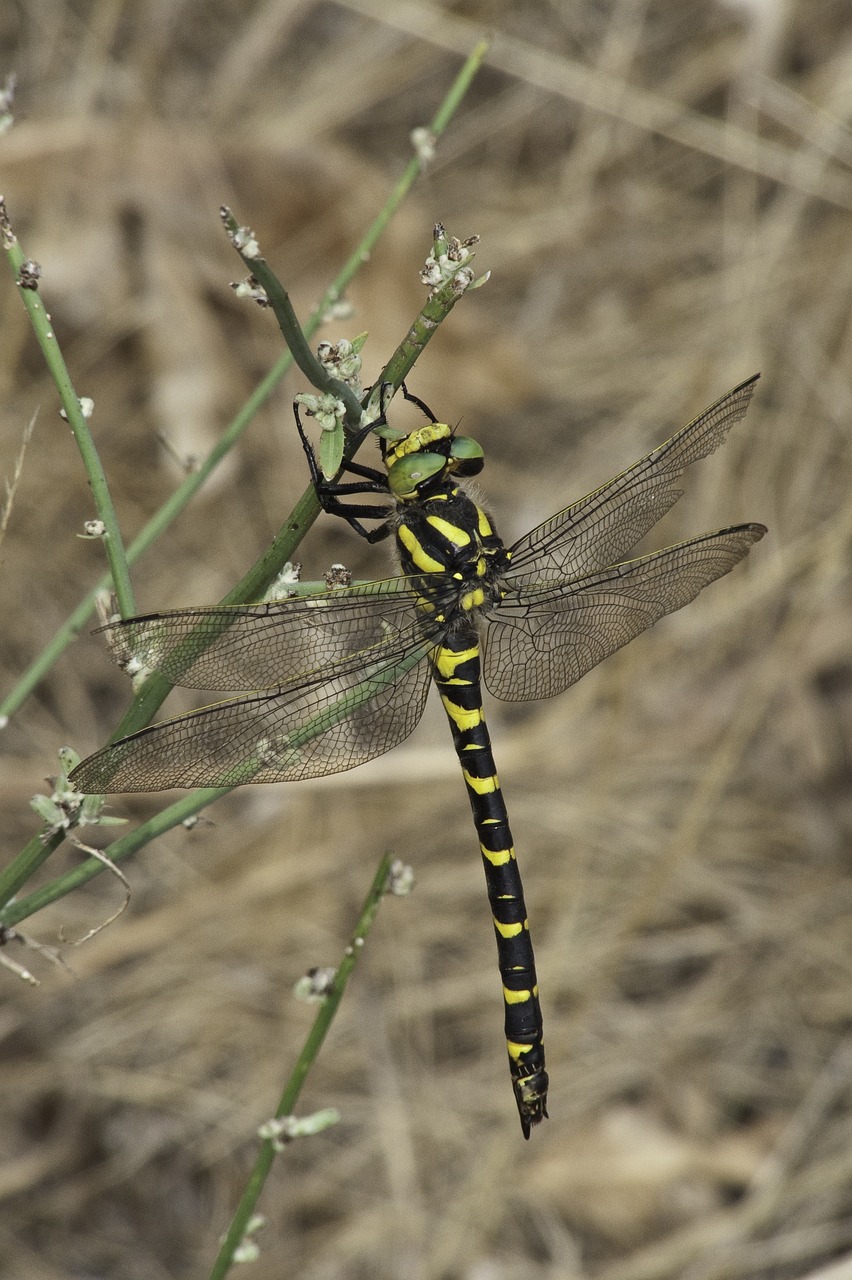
[(448, 540)]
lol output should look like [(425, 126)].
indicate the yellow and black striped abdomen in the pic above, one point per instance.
[(448, 541), (456, 671)]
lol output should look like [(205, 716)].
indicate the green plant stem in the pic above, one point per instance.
[(46, 338), (294, 336), (36, 851), (305, 1061), (424, 328), (174, 505), (187, 807)]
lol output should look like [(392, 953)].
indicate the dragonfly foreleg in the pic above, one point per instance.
[(329, 494)]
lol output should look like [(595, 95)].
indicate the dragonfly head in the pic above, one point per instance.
[(418, 462)]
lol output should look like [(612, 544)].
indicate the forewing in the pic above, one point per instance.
[(307, 729), (262, 646), (602, 527), (543, 638)]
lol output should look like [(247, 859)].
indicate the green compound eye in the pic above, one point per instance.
[(468, 456), (407, 475)]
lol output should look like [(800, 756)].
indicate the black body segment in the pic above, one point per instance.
[(341, 677), (456, 672), (448, 535)]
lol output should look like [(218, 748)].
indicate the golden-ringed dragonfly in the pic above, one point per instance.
[(341, 677)]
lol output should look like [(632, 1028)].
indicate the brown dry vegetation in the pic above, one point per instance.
[(665, 199)]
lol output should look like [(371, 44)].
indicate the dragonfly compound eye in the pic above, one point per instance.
[(467, 457), (407, 476)]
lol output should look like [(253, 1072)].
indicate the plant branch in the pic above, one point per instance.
[(330, 1004), (27, 275), (187, 807)]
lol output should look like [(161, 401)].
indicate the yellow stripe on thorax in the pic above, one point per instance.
[(483, 524), (420, 558), (472, 599), (452, 532)]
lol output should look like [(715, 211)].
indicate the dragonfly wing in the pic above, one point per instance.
[(325, 724), (542, 638), (262, 646), (602, 527)]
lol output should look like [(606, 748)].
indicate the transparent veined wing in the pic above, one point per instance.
[(262, 646), (326, 723), (541, 638), (603, 526)]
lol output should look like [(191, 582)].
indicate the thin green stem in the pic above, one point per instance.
[(305, 1061), (156, 526), (17, 873), (187, 807), (282, 308), (26, 278), (442, 118), (425, 326)]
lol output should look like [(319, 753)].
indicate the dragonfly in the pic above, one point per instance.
[(341, 677)]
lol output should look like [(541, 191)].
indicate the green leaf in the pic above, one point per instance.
[(331, 451)]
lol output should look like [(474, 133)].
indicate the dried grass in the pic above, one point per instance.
[(665, 200)]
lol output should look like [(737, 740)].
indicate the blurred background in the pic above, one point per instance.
[(664, 195)]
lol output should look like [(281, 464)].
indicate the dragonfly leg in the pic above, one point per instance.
[(329, 494), (407, 395), (420, 405)]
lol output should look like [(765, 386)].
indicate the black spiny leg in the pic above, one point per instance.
[(329, 494), (424, 408)]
